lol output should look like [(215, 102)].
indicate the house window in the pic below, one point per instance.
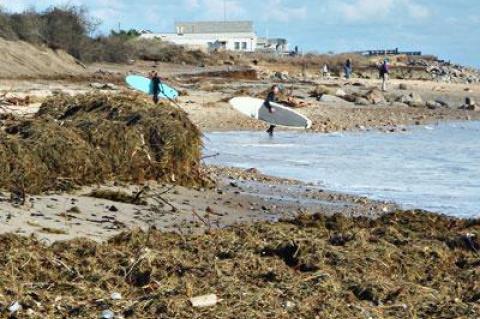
[(237, 45), (244, 45)]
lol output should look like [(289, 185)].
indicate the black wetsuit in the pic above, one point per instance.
[(156, 88), (270, 98)]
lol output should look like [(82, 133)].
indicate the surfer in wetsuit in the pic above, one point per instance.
[(272, 97), (156, 86)]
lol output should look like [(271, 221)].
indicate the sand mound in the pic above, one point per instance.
[(404, 265), (21, 59), (92, 138)]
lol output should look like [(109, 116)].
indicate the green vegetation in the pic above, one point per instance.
[(70, 28)]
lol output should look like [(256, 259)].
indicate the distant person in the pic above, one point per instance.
[(271, 97), (156, 86), (348, 69), (384, 70), (325, 71)]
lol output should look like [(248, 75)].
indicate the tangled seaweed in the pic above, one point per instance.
[(403, 265), (91, 138)]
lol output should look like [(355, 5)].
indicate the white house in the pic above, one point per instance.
[(228, 35)]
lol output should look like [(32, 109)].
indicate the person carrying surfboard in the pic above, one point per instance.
[(156, 86), (271, 97)]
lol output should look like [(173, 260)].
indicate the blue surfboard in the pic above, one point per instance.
[(143, 84)]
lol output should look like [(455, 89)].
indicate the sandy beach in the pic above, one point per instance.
[(254, 244), (239, 196)]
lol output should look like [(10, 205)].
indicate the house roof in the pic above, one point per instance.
[(214, 27)]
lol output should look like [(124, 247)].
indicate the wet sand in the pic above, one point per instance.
[(240, 196)]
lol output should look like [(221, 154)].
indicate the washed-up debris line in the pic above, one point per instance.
[(91, 138), (402, 265)]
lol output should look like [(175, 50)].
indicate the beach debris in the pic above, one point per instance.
[(103, 86), (91, 132), (204, 301), (107, 314), (119, 196), (398, 261), (116, 296), (14, 307)]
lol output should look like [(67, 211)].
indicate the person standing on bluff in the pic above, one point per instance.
[(348, 69), (384, 70), (325, 71)]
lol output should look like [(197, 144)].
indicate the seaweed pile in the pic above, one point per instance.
[(402, 265), (92, 138)]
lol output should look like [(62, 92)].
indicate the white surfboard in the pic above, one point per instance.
[(282, 115)]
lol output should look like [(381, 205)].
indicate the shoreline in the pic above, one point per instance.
[(207, 109)]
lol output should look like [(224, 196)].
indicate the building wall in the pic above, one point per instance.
[(246, 42)]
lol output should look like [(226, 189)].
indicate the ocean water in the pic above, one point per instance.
[(436, 168)]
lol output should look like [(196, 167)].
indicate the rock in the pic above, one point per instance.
[(111, 86), (442, 103), (470, 105), (413, 99), (469, 101), (433, 105), (331, 99), (252, 170), (97, 86), (375, 96), (113, 209), (281, 75), (403, 86), (399, 104), (349, 98), (101, 86), (321, 90), (361, 101), (340, 93)]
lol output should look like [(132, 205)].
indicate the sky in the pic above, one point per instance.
[(449, 29)]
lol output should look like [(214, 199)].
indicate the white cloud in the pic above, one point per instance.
[(215, 9), (191, 4), (364, 10), (277, 11), (371, 10), (416, 10)]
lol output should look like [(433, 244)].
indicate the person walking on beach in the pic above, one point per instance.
[(271, 97), (156, 86), (348, 69), (383, 71)]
